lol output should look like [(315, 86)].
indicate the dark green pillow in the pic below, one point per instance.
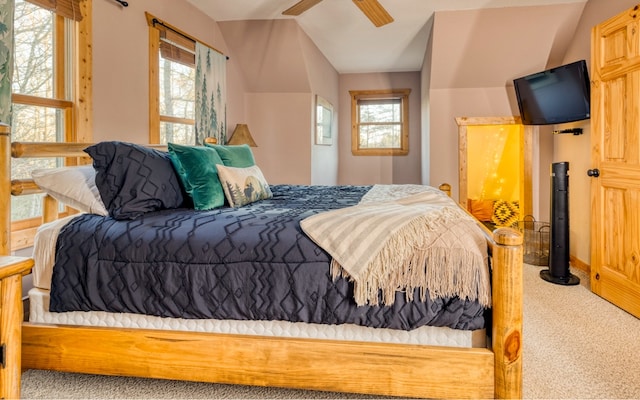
[(196, 167), (238, 156)]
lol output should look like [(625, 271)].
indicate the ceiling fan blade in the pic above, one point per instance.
[(374, 11), (300, 7)]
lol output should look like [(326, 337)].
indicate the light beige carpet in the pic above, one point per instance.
[(576, 345)]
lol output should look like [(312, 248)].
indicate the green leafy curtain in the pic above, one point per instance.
[(211, 94), (7, 10)]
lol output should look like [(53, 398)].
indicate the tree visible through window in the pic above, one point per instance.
[(380, 122), (187, 89), (172, 93), (46, 72), (37, 115), (177, 102)]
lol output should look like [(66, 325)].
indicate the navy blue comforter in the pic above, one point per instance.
[(248, 263)]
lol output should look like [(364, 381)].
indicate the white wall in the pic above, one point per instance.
[(425, 108), (284, 151), (365, 170), (325, 82)]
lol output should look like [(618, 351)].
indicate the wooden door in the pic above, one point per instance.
[(615, 139)]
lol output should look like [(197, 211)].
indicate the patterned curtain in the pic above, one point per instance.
[(211, 94), (7, 10)]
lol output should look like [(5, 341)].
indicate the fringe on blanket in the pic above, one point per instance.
[(429, 261)]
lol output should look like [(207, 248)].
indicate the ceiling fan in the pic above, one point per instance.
[(371, 8)]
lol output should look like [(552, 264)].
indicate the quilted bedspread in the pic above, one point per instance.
[(248, 263)]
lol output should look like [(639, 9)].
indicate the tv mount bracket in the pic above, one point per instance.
[(575, 131)]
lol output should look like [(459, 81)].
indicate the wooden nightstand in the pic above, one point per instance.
[(11, 271)]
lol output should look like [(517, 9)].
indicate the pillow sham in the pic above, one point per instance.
[(73, 186), (243, 185), (133, 179), (196, 167), (239, 156)]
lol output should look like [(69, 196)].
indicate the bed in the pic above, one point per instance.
[(317, 362)]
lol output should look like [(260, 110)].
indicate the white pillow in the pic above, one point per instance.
[(243, 185), (73, 186)]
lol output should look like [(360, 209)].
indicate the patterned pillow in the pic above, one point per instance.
[(239, 156), (243, 185), (133, 179), (196, 166), (505, 213)]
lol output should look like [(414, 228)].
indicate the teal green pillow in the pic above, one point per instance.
[(196, 167), (238, 156)]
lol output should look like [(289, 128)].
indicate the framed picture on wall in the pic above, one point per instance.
[(324, 121)]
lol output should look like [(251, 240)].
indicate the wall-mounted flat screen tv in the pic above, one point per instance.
[(555, 96)]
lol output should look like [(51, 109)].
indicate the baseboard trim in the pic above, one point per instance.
[(576, 263)]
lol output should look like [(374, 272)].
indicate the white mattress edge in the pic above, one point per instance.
[(426, 335)]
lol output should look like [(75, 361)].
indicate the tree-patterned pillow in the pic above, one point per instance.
[(243, 185)]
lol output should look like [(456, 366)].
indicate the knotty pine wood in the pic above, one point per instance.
[(11, 271), (5, 189), (358, 367)]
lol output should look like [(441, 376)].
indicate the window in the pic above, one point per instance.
[(380, 122), (172, 85), (324, 121), (45, 77)]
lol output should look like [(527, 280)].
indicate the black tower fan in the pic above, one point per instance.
[(558, 271)]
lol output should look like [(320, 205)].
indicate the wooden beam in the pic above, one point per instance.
[(57, 149), (5, 189)]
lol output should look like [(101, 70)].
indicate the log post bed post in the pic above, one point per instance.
[(343, 366), (507, 286)]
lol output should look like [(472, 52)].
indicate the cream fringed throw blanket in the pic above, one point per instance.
[(403, 237)]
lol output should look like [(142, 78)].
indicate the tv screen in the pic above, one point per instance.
[(554, 96)]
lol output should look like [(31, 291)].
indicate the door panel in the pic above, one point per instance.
[(615, 137)]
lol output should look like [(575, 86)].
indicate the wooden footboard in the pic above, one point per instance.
[(343, 366), (358, 367)]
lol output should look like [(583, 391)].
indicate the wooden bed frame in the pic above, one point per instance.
[(341, 366)]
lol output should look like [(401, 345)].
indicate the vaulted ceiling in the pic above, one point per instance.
[(477, 29)]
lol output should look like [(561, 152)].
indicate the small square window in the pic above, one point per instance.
[(380, 122)]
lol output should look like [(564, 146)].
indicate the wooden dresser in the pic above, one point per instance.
[(11, 271)]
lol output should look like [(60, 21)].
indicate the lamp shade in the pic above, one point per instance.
[(241, 135)]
